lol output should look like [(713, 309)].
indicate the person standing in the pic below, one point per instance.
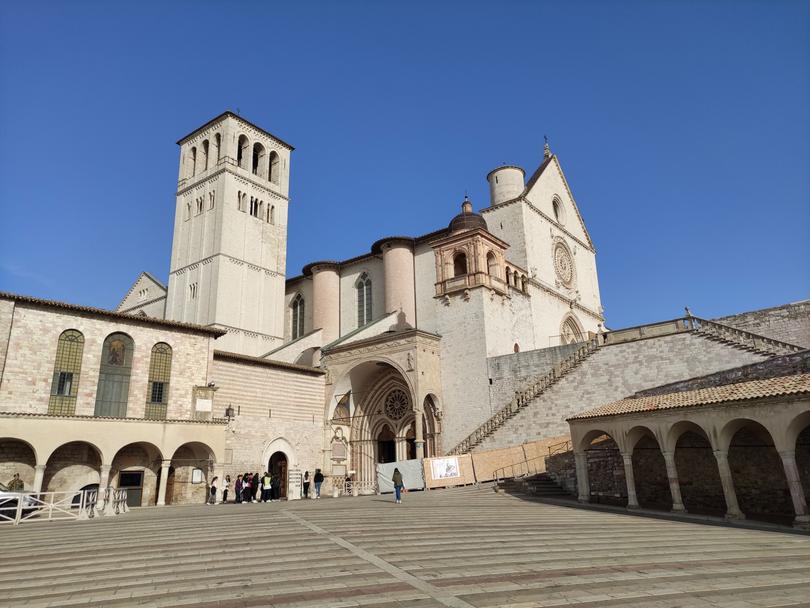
[(397, 479), (237, 489), (254, 486), (226, 485), (306, 484), (246, 481), (212, 498), (267, 491), (16, 484), (318, 479)]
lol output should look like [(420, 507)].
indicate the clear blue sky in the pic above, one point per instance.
[(683, 128)]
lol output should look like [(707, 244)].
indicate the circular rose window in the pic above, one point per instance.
[(563, 264), (396, 404)]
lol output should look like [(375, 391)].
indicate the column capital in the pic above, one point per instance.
[(106, 467), (720, 454), (39, 467), (787, 454), (166, 463)]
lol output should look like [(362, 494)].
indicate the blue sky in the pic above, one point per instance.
[(683, 129)]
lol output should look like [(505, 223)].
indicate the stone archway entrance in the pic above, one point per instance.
[(278, 469)]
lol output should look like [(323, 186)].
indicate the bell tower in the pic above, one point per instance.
[(230, 234)]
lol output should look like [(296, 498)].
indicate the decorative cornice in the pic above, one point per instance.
[(228, 167), (293, 367), (383, 339), (229, 114), (210, 258), (212, 421)]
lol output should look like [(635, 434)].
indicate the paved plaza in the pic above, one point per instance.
[(462, 547)]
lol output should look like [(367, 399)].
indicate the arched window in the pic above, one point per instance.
[(217, 147), (492, 264), (363, 287), (271, 214), (193, 162), (113, 376), (274, 167), (254, 207), (460, 264), (297, 317), (257, 168), (508, 276), (157, 391), (559, 212), (570, 332), (242, 152), (66, 370), (524, 282), (204, 159)]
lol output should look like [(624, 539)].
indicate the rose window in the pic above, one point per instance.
[(396, 404), (563, 265)]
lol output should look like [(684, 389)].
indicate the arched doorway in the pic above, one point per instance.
[(17, 457), (605, 469), (650, 474), (386, 445), (277, 467), (190, 472)]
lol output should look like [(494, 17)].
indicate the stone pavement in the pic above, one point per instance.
[(459, 548)]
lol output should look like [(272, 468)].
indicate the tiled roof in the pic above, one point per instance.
[(756, 389)]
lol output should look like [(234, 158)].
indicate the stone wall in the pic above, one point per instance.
[(562, 469), (513, 372), (789, 323), (612, 373), (16, 457), (28, 374), (796, 363)]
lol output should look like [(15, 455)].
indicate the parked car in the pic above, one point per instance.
[(9, 501)]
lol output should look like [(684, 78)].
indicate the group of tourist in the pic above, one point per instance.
[(252, 487)]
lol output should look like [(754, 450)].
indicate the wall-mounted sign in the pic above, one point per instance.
[(205, 405), (445, 468), (196, 476)]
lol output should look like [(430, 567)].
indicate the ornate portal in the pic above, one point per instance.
[(396, 404)]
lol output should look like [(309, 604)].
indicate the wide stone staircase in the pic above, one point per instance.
[(541, 486), (616, 364)]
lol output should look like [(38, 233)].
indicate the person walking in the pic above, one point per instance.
[(237, 489), (212, 498), (318, 479), (398, 485), (226, 485), (306, 484)]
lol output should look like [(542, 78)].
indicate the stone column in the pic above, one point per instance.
[(164, 481), (732, 508), (401, 448), (802, 519), (39, 477), (674, 484), (632, 499), (419, 439), (583, 488), (104, 476)]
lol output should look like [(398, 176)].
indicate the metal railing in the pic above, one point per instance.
[(559, 448), (52, 506), (531, 466)]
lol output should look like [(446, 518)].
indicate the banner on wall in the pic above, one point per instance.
[(445, 468), (412, 475)]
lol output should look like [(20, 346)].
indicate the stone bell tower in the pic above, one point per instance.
[(230, 234)]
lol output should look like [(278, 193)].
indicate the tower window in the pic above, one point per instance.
[(254, 207), (193, 162), (204, 160), (257, 167), (492, 264), (297, 316), (363, 287), (274, 167), (217, 146), (200, 205), (242, 152), (271, 214), (459, 264), (192, 291), (211, 197)]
